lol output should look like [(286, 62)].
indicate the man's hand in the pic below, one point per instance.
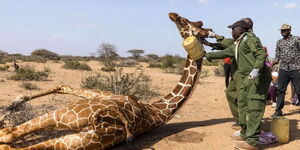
[(211, 34), (254, 73)]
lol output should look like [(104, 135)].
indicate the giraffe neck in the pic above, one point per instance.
[(172, 102)]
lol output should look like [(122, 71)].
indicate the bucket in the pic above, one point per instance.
[(193, 48), (281, 128)]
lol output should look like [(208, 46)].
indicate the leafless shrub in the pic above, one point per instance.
[(135, 84)]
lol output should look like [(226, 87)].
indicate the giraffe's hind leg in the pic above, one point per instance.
[(107, 117)]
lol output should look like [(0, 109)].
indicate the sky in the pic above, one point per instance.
[(79, 27)]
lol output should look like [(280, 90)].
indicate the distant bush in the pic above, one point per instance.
[(204, 73), (28, 73), (212, 63), (219, 71), (66, 58), (154, 65), (2, 56), (28, 85), (4, 68), (127, 63), (45, 54), (108, 69), (134, 84), (76, 65), (37, 59)]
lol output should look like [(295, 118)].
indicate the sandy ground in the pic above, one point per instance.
[(204, 123)]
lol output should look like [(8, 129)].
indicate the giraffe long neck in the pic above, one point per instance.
[(172, 102)]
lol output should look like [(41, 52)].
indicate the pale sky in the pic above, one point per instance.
[(78, 27)]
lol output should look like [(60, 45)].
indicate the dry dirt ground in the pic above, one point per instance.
[(204, 123)]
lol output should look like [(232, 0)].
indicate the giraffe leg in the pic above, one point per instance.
[(84, 140), (53, 120), (99, 114)]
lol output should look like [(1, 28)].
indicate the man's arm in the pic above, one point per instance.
[(277, 54), (228, 52), (224, 42)]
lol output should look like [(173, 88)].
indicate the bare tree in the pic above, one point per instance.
[(108, 54)]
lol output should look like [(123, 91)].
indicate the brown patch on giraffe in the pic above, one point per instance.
[(189, 81), (177, 88), (81, 102), (69, 117), (187, 137), (107, 139), (172, 105), (85, 112), (168, 97), (184, 76), (167, 111), (187, 64), (82, 122), (193, 70), (163, 117), (95, 107), (176, 99), (185, 91), (78, 108), (128, 107), (161, 106)]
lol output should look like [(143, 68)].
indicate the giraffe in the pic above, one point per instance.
[(102, 119)]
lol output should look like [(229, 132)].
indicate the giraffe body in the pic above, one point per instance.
[(102, 119)]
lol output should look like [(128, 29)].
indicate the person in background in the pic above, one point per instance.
[(228, 71), (273, 89), (288, 53)]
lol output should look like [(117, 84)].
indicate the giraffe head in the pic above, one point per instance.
[(188, 28)]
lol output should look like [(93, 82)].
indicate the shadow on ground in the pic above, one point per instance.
[(145, 141)]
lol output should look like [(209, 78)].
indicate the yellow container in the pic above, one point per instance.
[(193, 48), (281, 128)]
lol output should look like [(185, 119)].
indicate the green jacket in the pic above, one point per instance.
[(249, 54)]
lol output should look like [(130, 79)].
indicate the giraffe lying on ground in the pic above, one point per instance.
[(102, 119)]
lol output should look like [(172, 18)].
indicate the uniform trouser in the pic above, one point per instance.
[(251, 107), (283, 80), (232, 94), (228, 72)]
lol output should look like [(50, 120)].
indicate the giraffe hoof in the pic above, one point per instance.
[(129, 140)]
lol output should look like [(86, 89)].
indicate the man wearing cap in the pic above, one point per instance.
[(288, 54), (234, 84), (255, 80)]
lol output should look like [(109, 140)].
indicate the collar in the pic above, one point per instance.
[(240, 38), (288, 37)]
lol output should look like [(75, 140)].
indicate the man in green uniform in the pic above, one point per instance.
[(255, 80), (234, 84)]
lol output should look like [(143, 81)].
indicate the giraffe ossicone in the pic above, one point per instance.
[(102, 119)]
